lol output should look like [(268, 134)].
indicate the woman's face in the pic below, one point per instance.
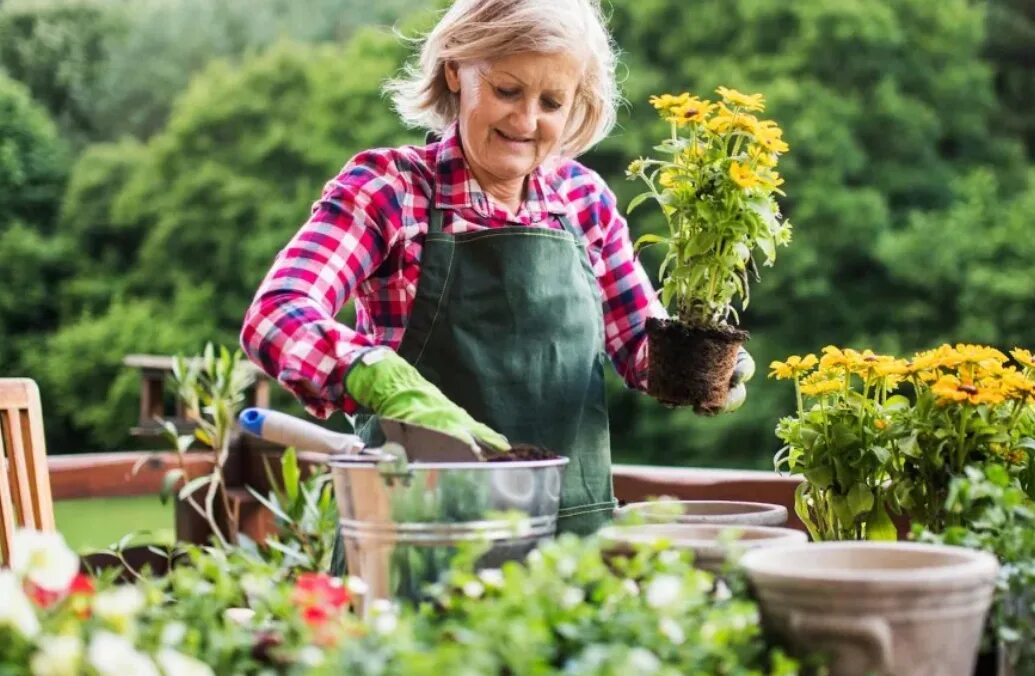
[(513, 112)]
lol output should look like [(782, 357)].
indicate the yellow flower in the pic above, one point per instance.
[(745, 101), (1023, 357), (761, 156), (667, 179), (770, 137), (666, 102), (693, 110), (728, 120), (770, 180), (980, 355), (817, 387), (793, 367), (833, 357), (950, 389), (880, 424), (742, 175), (637, 166)]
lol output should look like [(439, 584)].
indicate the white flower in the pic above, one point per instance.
[(643, 661), (664, 590), (57, 656), (16, 610), (112, 655), (118, 605), (255, 586), (566, 566), (356, 586), (572, 597), (241, 616), (671, 630), (173, 633), (383, 617), (473, 589), (492, 577), (668, 557), (175, 663), (311, 656), (44, 559), (630, 587)]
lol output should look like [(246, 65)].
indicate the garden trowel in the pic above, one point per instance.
[(421, 444)]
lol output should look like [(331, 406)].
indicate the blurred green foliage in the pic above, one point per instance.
[(200, 144)]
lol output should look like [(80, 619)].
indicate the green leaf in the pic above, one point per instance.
[(860, 499), (292, 475), (637, 201), (193, 485), (647, 240), (879, 525), (169, 481), (821, 476)]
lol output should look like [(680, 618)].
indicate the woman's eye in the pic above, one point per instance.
[(505, 93), (550, 104)]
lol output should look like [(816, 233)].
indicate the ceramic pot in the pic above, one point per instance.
[(898, 608)]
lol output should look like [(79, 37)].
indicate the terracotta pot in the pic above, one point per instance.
[(898, 608), (725, 512), (711, 544)]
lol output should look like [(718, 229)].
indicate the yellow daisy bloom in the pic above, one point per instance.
[(770, 137), (818, 388), (754, 102), (1023, 357), (693, 111), (833, 357), (794, 366), (667, 178), (742, 175), (761, 156), (950, 389), (666, 102)]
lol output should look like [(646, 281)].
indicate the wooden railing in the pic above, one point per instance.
[(111, 474)]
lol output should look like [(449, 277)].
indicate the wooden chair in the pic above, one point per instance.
[(25, 498)]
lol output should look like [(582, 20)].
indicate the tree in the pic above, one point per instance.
[(33, 261), (884, 103)]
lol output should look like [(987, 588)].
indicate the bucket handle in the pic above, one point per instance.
[(870, 631)]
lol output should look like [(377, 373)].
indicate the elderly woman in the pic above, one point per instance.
[(493, 273)]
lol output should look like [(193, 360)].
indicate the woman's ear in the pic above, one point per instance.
[(452, 70)]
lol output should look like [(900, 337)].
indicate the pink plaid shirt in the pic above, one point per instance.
[(365, 238)]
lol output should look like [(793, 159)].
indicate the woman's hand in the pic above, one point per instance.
[(743, 371), (388, 385)]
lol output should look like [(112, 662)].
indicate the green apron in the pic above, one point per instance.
[(508, 323)]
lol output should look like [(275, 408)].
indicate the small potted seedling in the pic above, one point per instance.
[(715, 180)]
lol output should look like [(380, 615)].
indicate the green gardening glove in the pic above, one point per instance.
[(388, 385)]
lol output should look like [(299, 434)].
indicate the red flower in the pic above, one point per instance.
[(320, 596), (44, 598), (81, 584)]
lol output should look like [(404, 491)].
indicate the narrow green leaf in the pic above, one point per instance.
[(647, 240), (193, 485), (292, 475), (637, 201), (879, 525), (169, 481)]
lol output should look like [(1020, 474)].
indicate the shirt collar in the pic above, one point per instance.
[(456, 187)]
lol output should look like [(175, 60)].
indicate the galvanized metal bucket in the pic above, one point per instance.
[(402, 522)]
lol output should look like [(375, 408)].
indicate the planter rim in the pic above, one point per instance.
[(770, 564), (757, 507), (701, 534)]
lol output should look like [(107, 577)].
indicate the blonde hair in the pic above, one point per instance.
[(486, 30)]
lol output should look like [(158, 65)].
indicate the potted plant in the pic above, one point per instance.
[(867, 450), (715, 181)]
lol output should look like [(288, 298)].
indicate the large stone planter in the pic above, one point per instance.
[(903, 609)]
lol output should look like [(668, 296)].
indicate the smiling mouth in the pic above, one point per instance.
[(513, 139)]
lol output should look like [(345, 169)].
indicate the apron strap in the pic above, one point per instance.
[(435, 219)]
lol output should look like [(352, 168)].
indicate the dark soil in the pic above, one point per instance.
[(691, 366), (519, 452)]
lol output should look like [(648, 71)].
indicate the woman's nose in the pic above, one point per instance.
[(525, 118)]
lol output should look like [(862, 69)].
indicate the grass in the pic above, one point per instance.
[(95, 523)]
